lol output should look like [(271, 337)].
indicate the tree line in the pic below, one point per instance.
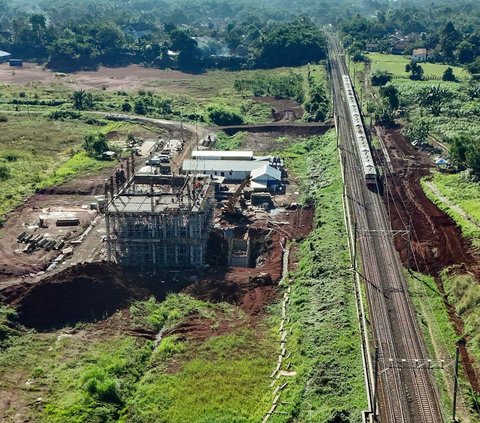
[(449, 31), (89, 41)]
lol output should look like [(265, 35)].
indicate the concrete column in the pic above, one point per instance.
[(112, 187), (109, 239), (128, 168)]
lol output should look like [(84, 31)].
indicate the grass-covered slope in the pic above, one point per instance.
[(325, 341)]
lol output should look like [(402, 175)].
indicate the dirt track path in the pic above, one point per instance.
[(457, 209)]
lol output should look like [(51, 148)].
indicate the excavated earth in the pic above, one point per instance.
[(437, 241), (94, 291)]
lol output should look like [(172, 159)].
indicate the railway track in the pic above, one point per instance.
[(406, 391)]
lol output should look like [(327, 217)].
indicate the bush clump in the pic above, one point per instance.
[(223, 116)]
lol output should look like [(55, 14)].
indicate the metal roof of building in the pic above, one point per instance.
[(268, 170), (216, 153), (4, 53), (191, 165)]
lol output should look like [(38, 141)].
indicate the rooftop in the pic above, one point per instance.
[(4, 53), (248, 155), (418, 51), (199, 165), (266, 169)]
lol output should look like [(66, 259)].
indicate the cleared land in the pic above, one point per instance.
[(37, 152)]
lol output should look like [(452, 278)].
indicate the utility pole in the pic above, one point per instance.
[(455, 383), (337, 129), (409, 246), (355, 246), (375, 385)]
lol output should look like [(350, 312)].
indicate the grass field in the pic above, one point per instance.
[(32, 149), (92, 376), (462, 193), (396, 65), (325, 338), (37, 152)]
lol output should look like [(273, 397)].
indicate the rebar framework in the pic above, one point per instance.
[(168, 230)]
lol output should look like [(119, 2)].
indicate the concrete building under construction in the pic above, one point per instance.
[(158, 222)]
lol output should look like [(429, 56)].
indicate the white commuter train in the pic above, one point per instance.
[(368, 166)]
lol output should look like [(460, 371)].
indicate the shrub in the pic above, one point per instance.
[(380, 78), (3, 118), (126, 107), (95, 145), (4, 172), (290, 86), (140, 108), (64, 115), (223, 116), (99, 385), (7, 316), (448, 75)]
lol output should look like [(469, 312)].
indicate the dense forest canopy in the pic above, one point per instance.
[(70, 35)]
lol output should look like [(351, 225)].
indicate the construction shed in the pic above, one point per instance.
[(222, 155), (16, 63), (266, 177), (232, 170)]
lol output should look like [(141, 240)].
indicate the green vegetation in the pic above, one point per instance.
[(415, 70), (95, 144), (82, 38), (179, 97), (223, 116), (292, 44), (7, 318), (380, 77), (325, 342), (463, 292), (92, 375), (78, 165), (395, 65), (461, 197), (234, 142), (289, 85), (225, 381), (36, 151)]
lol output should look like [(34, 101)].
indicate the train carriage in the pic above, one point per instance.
[(361, 141)]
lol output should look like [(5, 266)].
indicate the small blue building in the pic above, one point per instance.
[(17, 63)]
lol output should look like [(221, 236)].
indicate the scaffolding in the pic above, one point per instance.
[(159, 222)]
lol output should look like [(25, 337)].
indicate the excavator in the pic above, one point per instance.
[(229, 209)]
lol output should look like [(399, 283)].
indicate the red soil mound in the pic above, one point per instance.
[(85, 292)]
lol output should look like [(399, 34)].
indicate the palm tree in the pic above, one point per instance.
[(78, 98), (433, 98)]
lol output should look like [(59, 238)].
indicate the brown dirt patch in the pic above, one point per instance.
[(93, 291), (86, 292), (282, 109), (125, 78), (437, 242)]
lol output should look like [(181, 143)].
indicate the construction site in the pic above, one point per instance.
[(175, 211)]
